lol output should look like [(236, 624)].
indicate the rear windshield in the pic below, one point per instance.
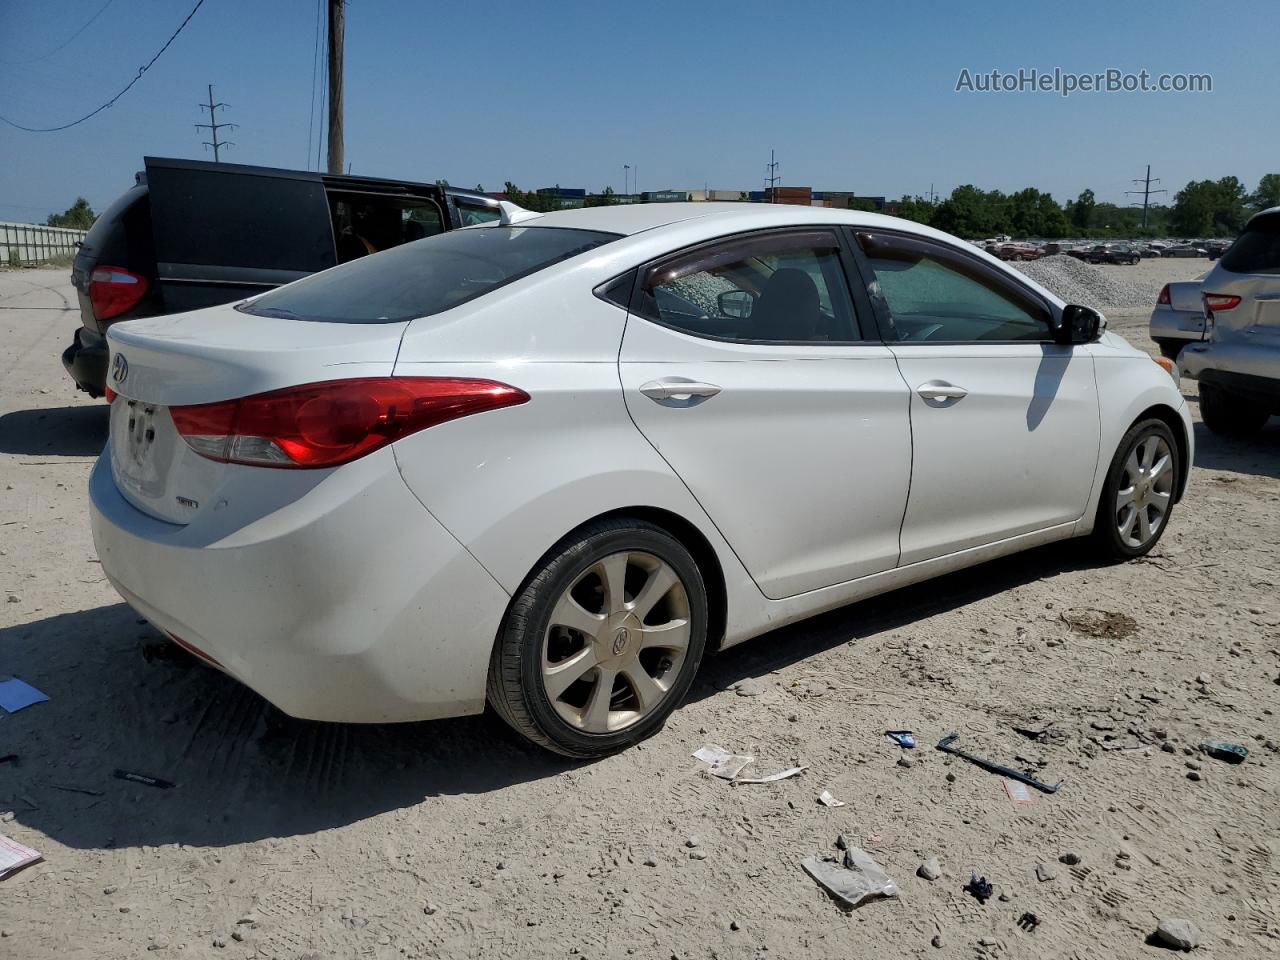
[(425, 277), (1257, 250)]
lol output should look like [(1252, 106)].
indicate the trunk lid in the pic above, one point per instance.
[(206, 356)]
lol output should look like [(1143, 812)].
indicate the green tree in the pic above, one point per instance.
[(1080, 213), (604, 199), (1035, 214), (78, 216), (1209, 208), (973, 213), (915, 208), (1268, 193)]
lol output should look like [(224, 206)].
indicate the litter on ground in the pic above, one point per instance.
[(17, 694)]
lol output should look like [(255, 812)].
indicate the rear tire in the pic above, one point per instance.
[(602, 641), (1230, 414), (1137, 497), (1169, 349)]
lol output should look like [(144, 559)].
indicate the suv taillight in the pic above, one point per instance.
[(335, 422), (1164, 295), (114, 290), (1216, 302)]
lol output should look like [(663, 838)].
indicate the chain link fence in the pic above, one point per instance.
[(31, 244)]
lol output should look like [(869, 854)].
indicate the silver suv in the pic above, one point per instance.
[(1238, 361)]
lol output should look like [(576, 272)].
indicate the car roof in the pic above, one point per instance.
[(628, 219)]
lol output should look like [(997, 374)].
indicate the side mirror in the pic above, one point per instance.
[(736, 303), (1079, 325)]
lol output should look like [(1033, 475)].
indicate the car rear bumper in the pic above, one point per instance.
[(350, 604), (1170, 324), (86, 361), (1242, 367)]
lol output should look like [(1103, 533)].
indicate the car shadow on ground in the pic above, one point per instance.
[(124, 698), (1256, 455), (900, 609), (75, 431)]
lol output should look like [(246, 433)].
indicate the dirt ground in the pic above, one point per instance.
[(452, 839)]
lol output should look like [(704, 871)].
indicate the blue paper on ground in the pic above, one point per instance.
[(16, 694)]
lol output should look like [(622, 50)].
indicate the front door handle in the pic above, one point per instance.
[(940, 392), (678, 391)]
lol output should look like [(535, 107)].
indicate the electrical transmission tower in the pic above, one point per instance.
[(771, 178), (1146, 192), (213, 126)]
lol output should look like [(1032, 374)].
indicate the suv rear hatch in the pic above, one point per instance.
[(1243, 289)]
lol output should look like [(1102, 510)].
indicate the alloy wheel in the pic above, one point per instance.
[(615, 642), (1145, 491)]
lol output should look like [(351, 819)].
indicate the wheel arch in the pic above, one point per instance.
[(693, 540), (1174, 422)]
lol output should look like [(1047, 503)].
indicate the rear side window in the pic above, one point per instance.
[(1257, 250), (768, 288), (427, 277), (231, 219)]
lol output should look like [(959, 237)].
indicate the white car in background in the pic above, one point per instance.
[(550, 465), (1238, 363), (1178, 317)]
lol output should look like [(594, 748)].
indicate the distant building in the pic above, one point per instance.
[(566, 198)]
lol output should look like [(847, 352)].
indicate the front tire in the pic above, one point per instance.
[(1229, 414), (1137, 497), (602, 641)]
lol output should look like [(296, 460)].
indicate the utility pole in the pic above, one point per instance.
[(337, 27), (626, 178), (213, 126), (1146, 192), (772, 178)]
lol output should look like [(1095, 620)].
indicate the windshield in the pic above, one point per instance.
[(425, 277)]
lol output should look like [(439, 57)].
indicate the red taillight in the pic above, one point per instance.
[(109, 394), (1164, 295), (114, 290), (326, 424), (1218, 302)]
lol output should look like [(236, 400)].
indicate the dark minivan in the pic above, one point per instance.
[(193, 234)]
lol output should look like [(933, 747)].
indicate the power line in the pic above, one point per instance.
[(141, 70), (1146, 192), (213, 126), (45, 56), (772, 178)]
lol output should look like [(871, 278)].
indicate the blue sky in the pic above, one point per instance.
[(851, 96)]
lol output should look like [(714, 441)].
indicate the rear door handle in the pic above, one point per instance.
[(678, 391), (939, 391)]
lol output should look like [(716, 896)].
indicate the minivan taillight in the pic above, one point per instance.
[(1164, 295), (334, 422), (114, 290)]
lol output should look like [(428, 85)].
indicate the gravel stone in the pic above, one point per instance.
[(1179, 934)]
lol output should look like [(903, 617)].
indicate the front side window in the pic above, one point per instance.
[(934, 294), (424, 278), (769, 288)]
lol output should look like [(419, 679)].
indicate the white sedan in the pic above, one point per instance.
[(549, 465)]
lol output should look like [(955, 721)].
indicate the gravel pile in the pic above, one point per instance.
[(1103, 287)]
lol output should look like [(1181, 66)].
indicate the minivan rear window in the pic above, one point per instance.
[(1257, 250), (425, 277)]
